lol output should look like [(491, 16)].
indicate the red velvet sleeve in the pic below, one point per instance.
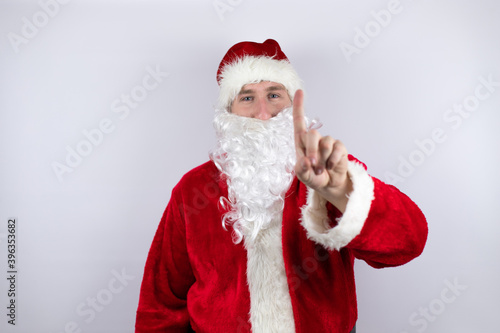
[(167, 277), (394, 232), (380, 224)]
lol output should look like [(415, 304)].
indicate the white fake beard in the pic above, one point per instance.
[(258, 159)]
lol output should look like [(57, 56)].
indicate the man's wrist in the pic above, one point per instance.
[(339, 196)]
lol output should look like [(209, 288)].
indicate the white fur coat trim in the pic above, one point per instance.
[(315, 217), (250, 69), (270, 303)]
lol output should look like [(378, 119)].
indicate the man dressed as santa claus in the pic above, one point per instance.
[(263, 237)]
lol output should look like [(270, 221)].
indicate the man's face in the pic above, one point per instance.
[(262, 100)]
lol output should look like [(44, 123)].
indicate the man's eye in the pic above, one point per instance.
[(274, 95), (246, 98)]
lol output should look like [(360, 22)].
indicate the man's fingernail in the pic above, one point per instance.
[(313, 161), (304, 165), (319, 171)]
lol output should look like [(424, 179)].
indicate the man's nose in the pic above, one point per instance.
[(264, 110)]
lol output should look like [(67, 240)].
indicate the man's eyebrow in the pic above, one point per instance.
[(246, 91), (275, 88), (271, 88)]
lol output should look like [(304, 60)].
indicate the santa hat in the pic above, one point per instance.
[(249, 62)]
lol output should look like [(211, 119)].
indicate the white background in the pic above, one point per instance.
[(74, 234)]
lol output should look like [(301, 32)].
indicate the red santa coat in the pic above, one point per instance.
[(195, 277)]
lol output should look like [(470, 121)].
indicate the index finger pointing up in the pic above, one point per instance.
[(299, 122)]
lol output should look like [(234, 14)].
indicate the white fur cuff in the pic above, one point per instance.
[(315, 216)]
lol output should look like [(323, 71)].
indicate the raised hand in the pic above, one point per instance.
[(321, 160)]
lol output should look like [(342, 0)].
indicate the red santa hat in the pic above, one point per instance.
[(250, 62)]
